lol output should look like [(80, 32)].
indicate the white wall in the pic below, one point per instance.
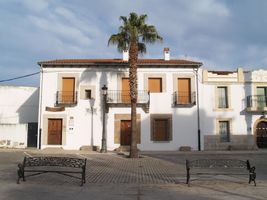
[(18, 104), (13, 135), (18, 107), (184, 120)]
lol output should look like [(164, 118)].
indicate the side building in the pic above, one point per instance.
[(233, 109)]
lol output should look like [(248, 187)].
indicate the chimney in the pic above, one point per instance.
[(125, 55), (166, 53)]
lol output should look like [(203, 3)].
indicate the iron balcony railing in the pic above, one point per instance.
[(66, 98), (257, 101), (123, 97), (184, 98)]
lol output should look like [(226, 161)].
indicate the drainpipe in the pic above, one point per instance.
[(40, 109), (198, 117)]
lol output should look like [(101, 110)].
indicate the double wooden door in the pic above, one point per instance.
[(54, 131), (125, 132)]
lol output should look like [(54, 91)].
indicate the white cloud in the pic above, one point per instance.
[(208, 7), (63, 31), (36, 5)]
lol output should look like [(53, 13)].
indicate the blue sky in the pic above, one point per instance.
[(223, 34)]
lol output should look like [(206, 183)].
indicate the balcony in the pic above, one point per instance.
[(64, 98), (184, 99), (256, 103), (121, 98)]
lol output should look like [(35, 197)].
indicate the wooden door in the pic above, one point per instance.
[(155, 85), (55, 131), (125, 132), (68, 89), (184, 91), (125, 93), (261, 131), (161, 130)]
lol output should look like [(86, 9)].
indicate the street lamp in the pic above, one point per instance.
[(104, 139), (92, 103)]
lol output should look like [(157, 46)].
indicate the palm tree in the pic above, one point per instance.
[(133, 35)]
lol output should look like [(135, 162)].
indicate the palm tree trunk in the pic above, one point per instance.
[(133, 57)]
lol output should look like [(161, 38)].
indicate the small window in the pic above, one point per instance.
[(222, 97), (261, 97), (161, 127), (224, 131), (155, 85), (88, 94)]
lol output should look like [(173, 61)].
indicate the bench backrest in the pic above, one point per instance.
[(218, 163), (54, 161)]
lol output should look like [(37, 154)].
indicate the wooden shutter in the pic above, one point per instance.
[(161, 130), (125, 93), (155, 85), (184, 91), (68, 89)]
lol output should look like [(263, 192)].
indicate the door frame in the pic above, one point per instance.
[(255, 127)]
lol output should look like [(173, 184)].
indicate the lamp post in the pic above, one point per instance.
[(104, 139), (92, 103)]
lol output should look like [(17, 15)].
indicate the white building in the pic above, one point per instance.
[(18, 116), (168, 115)]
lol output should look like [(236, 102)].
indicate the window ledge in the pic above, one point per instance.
[(223, 109), (161, 141)]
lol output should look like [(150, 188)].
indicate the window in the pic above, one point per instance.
[(161, 128), (224, 131), (155, 85), (222, 97), (88, 94), (184, 91), (261, 97), (68, 90)]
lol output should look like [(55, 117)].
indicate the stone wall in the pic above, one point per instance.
[(237, 142)]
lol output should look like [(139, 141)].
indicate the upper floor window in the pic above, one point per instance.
[(261, 97), (223, 101), (184, 91), (68, 90), (125, 90), (88, 94), (155, 85)]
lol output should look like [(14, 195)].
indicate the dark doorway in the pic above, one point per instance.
[(261, 131), (125, 132), (55, 131), (32, 134)]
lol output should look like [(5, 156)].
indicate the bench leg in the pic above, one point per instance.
[(20, 173), (252, 175), (188, 176), (83, 177)]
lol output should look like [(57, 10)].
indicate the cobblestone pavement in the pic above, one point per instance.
[(117, 169), (110, 176)]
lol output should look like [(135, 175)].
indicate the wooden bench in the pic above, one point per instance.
[(61, 165), (220, 167)]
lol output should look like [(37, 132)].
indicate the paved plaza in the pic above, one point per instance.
[(156, 175)]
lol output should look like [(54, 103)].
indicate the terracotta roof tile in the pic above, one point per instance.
[(114, 61)]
